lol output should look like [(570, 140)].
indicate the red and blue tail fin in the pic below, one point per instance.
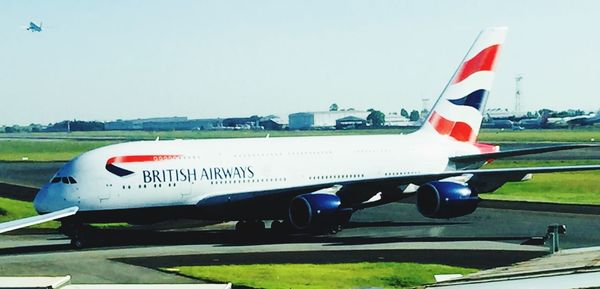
[(459, 110)]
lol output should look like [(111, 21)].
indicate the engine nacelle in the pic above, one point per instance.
[(446, 199), (317, 211)]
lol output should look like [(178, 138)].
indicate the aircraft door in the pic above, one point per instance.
[(185, 190), (105, 192)]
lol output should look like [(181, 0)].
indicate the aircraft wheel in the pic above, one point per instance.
[(77, 243), (280, 227), (334, 230), (241, 226)]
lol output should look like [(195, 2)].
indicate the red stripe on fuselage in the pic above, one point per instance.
[(140, 158), (483, 61)]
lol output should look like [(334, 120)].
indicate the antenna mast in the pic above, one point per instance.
[(518, 79)]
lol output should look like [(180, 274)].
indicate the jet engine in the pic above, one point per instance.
[(446, 199), (317, 211)]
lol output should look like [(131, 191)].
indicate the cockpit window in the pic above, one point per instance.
[(64, 180)]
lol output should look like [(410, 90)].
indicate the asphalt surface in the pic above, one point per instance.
[(490, 237), (32, 174), (395, 232)]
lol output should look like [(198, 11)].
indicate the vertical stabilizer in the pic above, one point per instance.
[(459, 110)]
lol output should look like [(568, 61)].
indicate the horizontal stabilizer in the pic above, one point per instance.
[(517, 152), (30, 221)]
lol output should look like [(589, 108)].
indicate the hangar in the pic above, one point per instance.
[(322, 119)]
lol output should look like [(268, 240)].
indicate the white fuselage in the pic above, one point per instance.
[(184, 172)]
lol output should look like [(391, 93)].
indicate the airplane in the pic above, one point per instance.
[(303, 184), (34, 28), (583, 120)]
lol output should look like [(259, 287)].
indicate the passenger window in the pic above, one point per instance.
[(55, 180), (72, 180), (65, 180)]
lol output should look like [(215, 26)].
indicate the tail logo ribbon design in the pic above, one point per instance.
[(458, 112)]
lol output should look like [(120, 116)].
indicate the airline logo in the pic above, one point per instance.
[(458, 113), (168, 175), (121, 172)]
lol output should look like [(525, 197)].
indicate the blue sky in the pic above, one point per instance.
[(103, 60)]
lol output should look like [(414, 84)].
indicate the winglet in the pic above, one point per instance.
[(30, 221)]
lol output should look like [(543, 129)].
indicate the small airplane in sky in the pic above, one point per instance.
[(302, 184), (34, 27)]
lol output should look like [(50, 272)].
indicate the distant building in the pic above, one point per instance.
[(273, 123), (350, 122), (164, 123), (395, 119), (192, 124), (242, 122), (321, 119), (138, 124)]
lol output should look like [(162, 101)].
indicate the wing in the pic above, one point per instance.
[(467, 160), (359, 194), (507, 174), (26, 222), (482, 181)]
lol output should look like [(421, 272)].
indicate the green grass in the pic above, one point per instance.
[(54, 150), (202, 134), (13, 209), (486, 135), (569, 188), (330, 276), (66, 149), (541, 135)]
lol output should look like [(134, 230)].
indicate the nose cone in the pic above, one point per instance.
[(42, 202), (54, 196)]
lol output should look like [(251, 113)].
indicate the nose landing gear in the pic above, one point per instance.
[(77, 232)]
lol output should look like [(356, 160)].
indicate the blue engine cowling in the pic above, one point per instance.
[(446, 199), (317, 211)]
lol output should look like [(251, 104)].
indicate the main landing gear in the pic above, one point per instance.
[(254, 226), (246, 227), (258, 226)]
